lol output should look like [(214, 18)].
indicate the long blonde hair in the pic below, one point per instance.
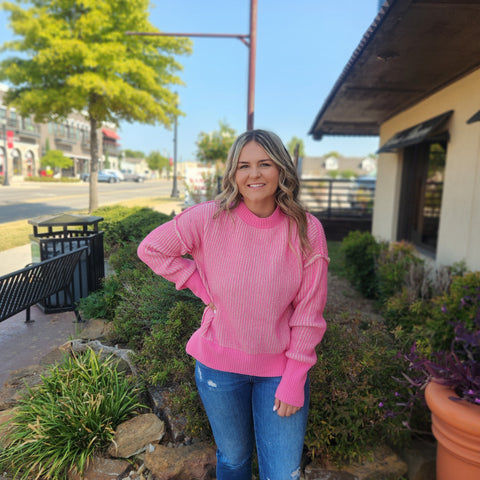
[(288, 189)]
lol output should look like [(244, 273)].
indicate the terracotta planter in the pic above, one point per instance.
[(456, 426)]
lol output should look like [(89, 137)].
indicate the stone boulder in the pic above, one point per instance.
[(18, 382), (384, 465), (160, 398), (133, 436), (103, 469), (192, 462), (95, 329)]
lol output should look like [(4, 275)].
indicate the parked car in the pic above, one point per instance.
[(362, 191), (116, 173), (102, 177), (133, 176)]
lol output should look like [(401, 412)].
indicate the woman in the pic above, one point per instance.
[(260, 266)]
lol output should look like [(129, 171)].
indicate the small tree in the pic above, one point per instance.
[(76, 56), (157, 162), (56, 160), (292, 145), (213, 147)]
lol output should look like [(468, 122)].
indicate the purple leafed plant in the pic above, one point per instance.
[(457, 368)]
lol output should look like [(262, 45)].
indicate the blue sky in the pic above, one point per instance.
[(302, 47)]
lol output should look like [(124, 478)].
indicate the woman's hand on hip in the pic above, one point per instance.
[(284, 409)]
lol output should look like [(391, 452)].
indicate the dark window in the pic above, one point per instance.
[(421, 194)]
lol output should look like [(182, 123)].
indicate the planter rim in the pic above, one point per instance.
[(463, 415)]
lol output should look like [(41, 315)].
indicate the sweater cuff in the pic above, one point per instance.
[(291, 389), (195, 284)]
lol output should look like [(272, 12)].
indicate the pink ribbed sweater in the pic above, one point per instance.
[(268, 299)]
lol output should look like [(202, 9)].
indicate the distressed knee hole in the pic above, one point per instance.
[(212, 384)]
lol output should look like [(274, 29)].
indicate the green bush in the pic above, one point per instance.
[(69, 416), (127, 224), (394, 264), (102, 303), (163, 361), (351, 386), (361, 251), (145, 300)]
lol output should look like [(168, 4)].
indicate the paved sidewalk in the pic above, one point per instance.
[(23, 344)]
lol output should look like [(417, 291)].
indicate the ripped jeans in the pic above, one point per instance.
[(240, 411)]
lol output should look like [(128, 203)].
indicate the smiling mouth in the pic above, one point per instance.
[(256, 185)]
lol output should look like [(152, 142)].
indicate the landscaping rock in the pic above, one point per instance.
[(125, 364), (5, 416), (103, 469), (317, 472), (95, 329), (384, 465), (18, 382), (421, 460), (193, 462), (133, 436), (175, 423)]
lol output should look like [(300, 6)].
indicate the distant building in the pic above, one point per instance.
[(320, 167), (31, 140)]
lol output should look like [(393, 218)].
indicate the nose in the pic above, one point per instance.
[(255, 172)]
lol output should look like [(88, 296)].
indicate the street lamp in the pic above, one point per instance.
[(6, 183), (175, 193)]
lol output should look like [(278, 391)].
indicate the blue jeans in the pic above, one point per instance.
[(240, 411)]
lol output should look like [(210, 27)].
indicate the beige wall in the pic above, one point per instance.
[(459, 231)]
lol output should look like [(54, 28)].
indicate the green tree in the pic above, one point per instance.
[(292, 145), (214, 146), (56, 160), (133, 153), (76, 56), (156, 161)]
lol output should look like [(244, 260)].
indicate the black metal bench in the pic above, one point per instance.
[(24, 288)]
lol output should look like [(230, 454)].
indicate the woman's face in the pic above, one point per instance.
[(257, 179)]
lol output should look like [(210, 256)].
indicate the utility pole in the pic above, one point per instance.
[(249, 40), (6, 182), (175, 186)]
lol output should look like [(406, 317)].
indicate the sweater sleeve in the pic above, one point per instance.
[(307, 325), (163, 249)]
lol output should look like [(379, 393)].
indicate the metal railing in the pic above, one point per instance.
[(329, 198)]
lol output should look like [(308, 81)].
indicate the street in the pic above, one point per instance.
[(26, 200)]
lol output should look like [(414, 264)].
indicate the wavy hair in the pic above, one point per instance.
[(286, 196)]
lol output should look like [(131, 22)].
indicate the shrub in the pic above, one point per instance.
[(394, 264), (68, 417), (102, 303), (145, 300), (361, 251), (349, 384), (163, 361), (127, 224)]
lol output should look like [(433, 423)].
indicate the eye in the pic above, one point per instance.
[(266, 164), (243, 165)]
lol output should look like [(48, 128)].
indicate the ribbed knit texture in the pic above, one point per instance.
[(268, 298)]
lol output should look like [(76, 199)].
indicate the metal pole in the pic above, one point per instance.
[(251, 45), (175, 187), (252, 51), (6, 183)]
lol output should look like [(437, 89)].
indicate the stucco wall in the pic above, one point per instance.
[(459, 231)]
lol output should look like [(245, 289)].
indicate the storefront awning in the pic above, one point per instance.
[(475, 118), (110, 133), (418, 133)]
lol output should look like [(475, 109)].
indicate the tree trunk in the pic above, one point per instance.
[(93, 190)]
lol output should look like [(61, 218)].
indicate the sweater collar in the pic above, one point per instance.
[(251, 219)]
